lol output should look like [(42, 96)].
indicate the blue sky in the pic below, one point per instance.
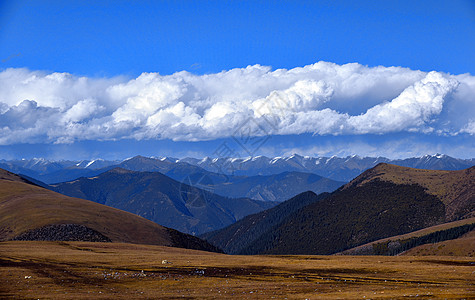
[(95, 77), (127, 37)]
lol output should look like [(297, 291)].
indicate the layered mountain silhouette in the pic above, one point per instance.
[(54, 172), (384, 201), (30, 212), (161, 199), (336, 168), (387, 209), (277, 187)]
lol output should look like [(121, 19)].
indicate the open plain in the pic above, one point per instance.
[(70, 270)]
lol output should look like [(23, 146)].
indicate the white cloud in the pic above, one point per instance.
[(413, 109), (82, 110), (469, 128), (323, 98)]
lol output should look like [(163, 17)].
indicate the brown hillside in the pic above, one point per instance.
[(25, 207), (368, 249), (463, 246), (5, 175), (456, 189)]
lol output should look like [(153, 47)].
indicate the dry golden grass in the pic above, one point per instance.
[(438, 183), (69, 270), (466, 248), (464, 245), (454, 188), (5, 175), (24, 207)]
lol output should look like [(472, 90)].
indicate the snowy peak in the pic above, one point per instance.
[(336, 168), (168, 159), (96, 164)]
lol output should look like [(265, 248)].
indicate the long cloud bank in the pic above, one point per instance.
[(323, 99)]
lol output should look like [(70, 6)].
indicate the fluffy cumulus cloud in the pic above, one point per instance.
[(323, 99)]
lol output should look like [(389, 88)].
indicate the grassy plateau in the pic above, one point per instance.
[(71, 270)]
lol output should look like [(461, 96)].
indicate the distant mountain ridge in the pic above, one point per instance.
[(336, 168), (277, 187), (162, 199)]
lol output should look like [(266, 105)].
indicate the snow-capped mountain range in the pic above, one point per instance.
[(336, 168)]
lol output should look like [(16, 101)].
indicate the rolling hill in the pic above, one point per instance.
[(402, 243), (462, 246), (161, 199), (29, 210), (454, 188), (384, 201)]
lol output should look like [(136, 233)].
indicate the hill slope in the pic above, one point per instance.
[(463, 246), (382, 202), (456, 189), (8, 176), (238, 236), (163, 200), (397, 244), (26, 208)]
